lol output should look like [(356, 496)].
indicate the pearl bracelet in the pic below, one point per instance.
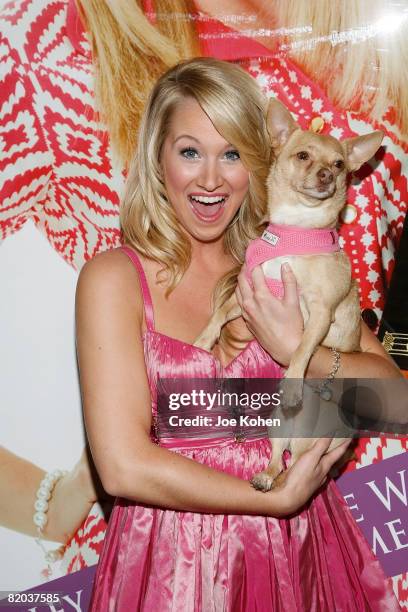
[(40, 518)]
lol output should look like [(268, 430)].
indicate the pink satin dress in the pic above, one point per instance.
[(157, 559)]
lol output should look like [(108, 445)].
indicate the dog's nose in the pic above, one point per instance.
[(325, 176)]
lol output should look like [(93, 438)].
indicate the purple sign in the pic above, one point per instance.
[(74, 594), (377, 496)]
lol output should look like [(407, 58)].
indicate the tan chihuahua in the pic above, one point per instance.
[(306, 192)]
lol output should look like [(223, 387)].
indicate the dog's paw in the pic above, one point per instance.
[(262, 481), (291, 392), (205, 341)]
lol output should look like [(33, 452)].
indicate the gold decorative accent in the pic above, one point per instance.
[(316, 125), (396, 343), (239, 438)]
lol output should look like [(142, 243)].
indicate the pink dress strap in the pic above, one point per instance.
[(147, 298)]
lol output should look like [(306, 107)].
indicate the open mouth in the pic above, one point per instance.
[(208, 208)]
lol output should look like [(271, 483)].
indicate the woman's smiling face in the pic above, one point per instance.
[(204, 177)]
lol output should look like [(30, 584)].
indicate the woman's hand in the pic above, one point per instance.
[(276, 323), (310, 472), (71, 502), (83, 475)]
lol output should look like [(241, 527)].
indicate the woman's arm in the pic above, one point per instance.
[(372, 362), (70, 503), (117, 408)]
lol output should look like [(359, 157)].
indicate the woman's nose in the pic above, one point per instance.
[(210, 176)]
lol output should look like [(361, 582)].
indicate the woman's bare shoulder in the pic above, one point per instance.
[(111, 278), (111, 268)]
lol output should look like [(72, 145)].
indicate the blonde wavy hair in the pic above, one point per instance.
[(130, 53), (236, 107), (356, 50)]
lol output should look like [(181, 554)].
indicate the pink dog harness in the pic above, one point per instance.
[(278, 240)]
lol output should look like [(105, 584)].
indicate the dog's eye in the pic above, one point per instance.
[(303, 155), (339, 164)]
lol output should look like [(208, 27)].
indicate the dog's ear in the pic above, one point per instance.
[(280, 123), (361, 148)]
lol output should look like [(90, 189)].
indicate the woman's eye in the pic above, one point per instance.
[(232, 155), (189, 153), (303, 155)]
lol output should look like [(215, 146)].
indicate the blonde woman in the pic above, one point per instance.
[(187, 531)]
